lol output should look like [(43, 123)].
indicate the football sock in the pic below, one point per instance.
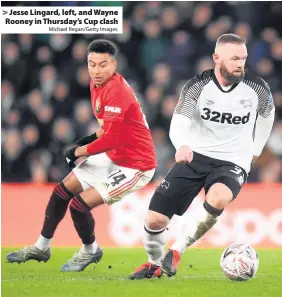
[(83, 220), (154, 242), (89, 248), (204, 223), (55, 211), (43, 243)]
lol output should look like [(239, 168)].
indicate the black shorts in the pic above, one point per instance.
[(185, 181)]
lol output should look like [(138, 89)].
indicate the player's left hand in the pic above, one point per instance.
[(184, 154), (70, 157)]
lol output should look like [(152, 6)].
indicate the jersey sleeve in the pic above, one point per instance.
[(115, 107), (265, 118), (265, 100), (190, 94), (185, 109), (262, 90)]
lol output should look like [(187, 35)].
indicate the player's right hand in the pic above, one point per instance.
[(184, 154), (70, 157)]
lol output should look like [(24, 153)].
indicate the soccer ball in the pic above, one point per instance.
[(239, 262)]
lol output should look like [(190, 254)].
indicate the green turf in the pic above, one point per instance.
[(198, 275)]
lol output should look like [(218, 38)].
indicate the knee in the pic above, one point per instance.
[(219, 196), (78, 205), (156, 221), (72, 183)]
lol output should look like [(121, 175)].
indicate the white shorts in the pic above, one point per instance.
[(110, 180)]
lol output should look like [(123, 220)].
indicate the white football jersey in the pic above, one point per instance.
[(223, 121)]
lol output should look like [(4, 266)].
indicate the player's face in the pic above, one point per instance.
[(101, 67), (231, 62)]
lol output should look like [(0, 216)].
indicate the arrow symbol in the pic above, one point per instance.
[(5, 12)]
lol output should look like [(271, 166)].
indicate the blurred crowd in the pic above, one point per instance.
[(45, 83)]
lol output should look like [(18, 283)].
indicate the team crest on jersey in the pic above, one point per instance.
[(98, 106), (246, 103), (210, 102)]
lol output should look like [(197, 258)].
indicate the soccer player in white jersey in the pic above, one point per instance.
[(220, 125)]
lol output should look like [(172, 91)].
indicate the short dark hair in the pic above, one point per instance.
[(230, 38), (102, 46)]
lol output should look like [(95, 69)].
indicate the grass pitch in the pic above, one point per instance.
[(199, 275)]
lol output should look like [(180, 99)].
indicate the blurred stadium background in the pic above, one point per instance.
[(45, 84)]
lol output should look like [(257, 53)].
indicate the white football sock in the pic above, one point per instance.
[(43, 243), (204, 223), (154, 242), (90, 248)]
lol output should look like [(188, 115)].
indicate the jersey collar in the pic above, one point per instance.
[(219, 86)]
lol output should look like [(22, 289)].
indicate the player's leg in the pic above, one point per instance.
[(110, 189), (56, 208), (173, 196), (222, 186), (84, 223), (154, 239), (54, 213)]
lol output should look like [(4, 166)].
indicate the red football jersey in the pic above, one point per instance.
[(115, 102)]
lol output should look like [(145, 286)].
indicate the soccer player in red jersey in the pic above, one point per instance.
[(120, 159)]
